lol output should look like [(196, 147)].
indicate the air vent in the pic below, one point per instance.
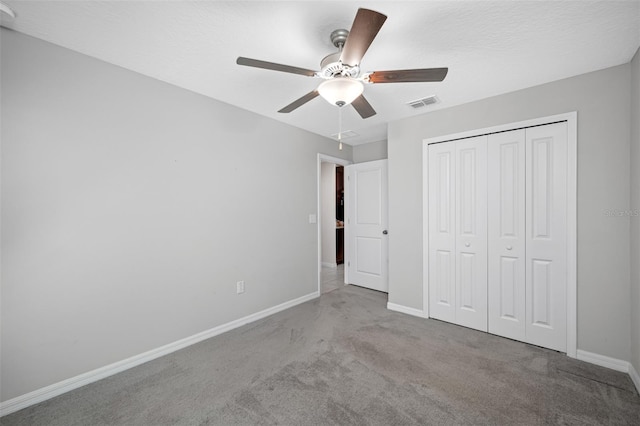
[(420, 103), (345, 135)]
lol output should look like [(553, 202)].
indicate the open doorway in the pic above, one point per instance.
[(331, 214), (339, 195)]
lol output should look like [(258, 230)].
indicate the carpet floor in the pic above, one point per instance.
[(332, 279), (345, 359)]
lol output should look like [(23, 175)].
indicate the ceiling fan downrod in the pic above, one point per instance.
[(339, 38)]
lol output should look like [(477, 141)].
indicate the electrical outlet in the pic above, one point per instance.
[(240, 287)]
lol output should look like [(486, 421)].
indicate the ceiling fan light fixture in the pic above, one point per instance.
[(340, 91)]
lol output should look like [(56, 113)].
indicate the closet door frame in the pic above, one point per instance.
[(571, 118)]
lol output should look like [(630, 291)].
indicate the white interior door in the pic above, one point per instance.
[(546, 243), (506, 234), (442, 237), (366, 227), (471, 232)]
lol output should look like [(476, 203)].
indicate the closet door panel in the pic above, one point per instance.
[(546, 227), (506, 234), (441, 268), (471, 232)]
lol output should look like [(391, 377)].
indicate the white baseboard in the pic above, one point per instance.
[(406, 310), (635, 377), (330, 265), (612, 363), (48, 392), (603, 361)]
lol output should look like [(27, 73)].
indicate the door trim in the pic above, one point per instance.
[(323, 158), (572, 219)]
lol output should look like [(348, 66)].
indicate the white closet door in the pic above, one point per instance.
[(471, 232), (506, 234), (546, 227), (441, 231), (458, 232)]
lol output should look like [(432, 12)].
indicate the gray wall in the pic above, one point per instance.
[(370, 152), (602, 100), (130, 208), (635, 206)]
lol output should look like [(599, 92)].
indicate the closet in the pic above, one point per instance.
[(497, 233)]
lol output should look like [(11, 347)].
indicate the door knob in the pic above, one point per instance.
[(467, 244), (509, 247), (385, 232)]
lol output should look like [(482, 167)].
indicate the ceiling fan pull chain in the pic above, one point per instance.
[(340, 128)]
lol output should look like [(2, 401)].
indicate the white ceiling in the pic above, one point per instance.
[(490, 47)]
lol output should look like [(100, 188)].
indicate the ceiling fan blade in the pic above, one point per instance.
[(273, 66), (409, 76), (299, 102), (365, 27), (363, 107)]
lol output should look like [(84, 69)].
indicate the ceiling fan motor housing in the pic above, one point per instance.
[(331, 66)]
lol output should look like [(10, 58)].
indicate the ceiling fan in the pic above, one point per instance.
[(343, 80)]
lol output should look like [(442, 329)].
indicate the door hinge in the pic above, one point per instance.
[(348, 263)]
